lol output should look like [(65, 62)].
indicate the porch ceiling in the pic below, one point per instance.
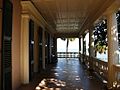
[(71, 17)]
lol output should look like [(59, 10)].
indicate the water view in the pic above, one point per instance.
[(74, 47)]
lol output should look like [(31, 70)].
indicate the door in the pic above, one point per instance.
[(6, 46), (40, 48), (31, 49)]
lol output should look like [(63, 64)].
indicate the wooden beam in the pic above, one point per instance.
[(93, 17)]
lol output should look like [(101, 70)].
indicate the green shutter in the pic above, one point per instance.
[(6, 46)]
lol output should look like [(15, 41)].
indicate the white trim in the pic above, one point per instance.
[(29, 8)]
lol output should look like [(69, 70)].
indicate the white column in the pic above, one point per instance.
[(24, 49), (91, 48), (43, 49), (83, 44), (80, 48), (112, 46), (83, 49), (79, 44), (91, 43)]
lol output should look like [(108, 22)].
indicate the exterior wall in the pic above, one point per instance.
[(16, 28), (0, 37)]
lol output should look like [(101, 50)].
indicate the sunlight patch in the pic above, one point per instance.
[(50, 84)]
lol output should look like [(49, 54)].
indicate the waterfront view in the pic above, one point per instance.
[(74, 47)]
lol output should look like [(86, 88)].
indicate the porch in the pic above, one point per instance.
[(68, 74), (28, 44)]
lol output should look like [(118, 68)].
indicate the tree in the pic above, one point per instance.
[(100, 37), (118, 24), (68, 40)]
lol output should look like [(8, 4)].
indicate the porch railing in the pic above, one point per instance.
[(67, 54), (116, 83), (101, 69)]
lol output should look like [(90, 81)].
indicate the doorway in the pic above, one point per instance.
[(31, 49), (40, 49)]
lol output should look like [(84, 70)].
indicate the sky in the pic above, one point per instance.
[(73, 46)]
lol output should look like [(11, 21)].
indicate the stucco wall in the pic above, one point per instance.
[(16, 82)]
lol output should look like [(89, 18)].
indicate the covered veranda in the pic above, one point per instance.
[(29, 30)]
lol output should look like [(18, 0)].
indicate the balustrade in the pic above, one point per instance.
[(68, 54), (100, 68)]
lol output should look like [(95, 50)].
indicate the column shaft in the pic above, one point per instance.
[(91, 43), (83, 51), (112, 46), (80, 48), (25, 49), (91, 48), (80, 44)]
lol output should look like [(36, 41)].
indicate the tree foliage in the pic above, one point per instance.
[(70, 39), (118, 23), (100, 36)]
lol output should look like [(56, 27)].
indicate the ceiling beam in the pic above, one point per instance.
[(92, 18)]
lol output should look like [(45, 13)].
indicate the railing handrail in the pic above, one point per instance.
[(99, 66), (68, 54)]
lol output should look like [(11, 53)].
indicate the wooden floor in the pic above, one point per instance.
[(67, 75)]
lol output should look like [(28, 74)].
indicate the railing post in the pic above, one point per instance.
[(112, 46)]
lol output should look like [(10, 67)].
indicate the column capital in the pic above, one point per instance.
[(25, 15), (24, 49)]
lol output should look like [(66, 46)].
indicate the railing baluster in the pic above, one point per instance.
[(68, 55)]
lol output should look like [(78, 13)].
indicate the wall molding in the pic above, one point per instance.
[(29, 8)]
